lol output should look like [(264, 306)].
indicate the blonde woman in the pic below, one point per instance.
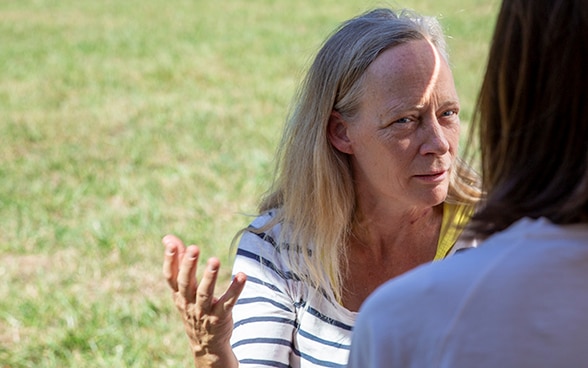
[(368, 185)]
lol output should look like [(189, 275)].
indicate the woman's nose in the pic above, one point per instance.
[(435, 139)]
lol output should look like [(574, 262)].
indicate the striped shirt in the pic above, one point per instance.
[(280, 321)]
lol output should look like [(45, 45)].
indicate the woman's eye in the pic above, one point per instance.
[(403, 121), (450, 113)]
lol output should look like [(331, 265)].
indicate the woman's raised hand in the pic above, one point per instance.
[(207, 319)]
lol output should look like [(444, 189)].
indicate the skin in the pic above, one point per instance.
[(405, 138), (402, 145), (208, 320)]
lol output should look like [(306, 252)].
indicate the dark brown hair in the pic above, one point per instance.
[(532, 116)]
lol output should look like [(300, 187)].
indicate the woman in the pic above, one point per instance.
[(520, 298), (368, 186)]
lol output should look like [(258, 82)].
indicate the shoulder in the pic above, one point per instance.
[(261, 236), (434, 291), (402, 321), (411, 318), (260, 256)]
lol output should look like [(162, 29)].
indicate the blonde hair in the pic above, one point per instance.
[(313, 194)]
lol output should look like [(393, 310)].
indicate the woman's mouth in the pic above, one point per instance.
[(434, 177)]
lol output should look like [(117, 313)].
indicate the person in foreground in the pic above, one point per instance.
[(521, 298), (368, 186)]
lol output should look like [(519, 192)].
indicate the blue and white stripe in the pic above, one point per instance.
[(279, 320)]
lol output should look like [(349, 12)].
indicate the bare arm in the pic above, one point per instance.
[(208, 320)]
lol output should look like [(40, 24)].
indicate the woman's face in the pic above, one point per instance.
[(404, 139)]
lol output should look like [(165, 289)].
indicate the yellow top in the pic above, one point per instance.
[(455, 217)]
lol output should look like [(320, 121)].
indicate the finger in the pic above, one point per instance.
[(228, 300), (174, 250), (205, 292), (187, 274)]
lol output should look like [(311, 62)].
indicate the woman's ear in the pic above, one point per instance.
[(337, 130)]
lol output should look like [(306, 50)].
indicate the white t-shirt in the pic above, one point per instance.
[(280, 321), (519, 300)]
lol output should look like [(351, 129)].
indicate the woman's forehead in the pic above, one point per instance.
[(412, 71)]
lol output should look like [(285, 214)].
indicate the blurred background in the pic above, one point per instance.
[(121, 121)]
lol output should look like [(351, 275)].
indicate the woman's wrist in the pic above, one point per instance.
[(204, 357)]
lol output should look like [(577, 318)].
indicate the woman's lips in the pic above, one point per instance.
[(433, 177)]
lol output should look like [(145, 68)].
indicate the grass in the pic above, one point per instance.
[(125, 120)]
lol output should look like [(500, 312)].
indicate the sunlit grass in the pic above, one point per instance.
[(125, 120)]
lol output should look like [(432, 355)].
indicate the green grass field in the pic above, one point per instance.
[(122, 121)]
